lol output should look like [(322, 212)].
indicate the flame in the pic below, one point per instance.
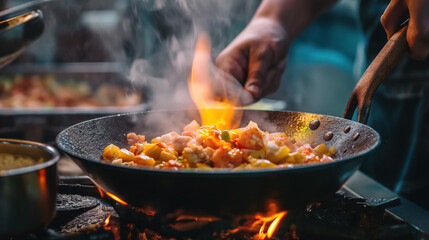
[(111, 195), (272, 222), (101, 192), (216, 108), (116, 198), (107, 221)]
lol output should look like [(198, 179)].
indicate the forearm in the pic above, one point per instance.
[(294, 15)]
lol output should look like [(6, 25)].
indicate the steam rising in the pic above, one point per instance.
[(169, 31)]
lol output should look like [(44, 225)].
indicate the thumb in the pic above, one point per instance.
[(393, 16), (258, 70)]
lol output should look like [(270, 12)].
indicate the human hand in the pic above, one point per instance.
[(256, 58), (418, 27)]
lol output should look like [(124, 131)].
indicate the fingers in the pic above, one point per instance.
[(393, 16), (418, 26), (233, 63), (418, 30), (274, 77), (225, 86), (232, 67), (259, 65)]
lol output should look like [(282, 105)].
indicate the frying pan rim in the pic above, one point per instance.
[(223, 171), (55, 157)]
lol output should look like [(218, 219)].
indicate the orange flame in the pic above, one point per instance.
[(215, 108), (107, 221), (116, 198), (101, 192), (111, 195), (269, 225)]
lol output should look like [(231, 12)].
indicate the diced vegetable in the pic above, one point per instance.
[(257, 153), (250, 138), (126, 155), (111, 152), (280, 155), (165, 156), (117, 162), (296, 157), (152, 150), (144, 160), (262, 163), (332, 151), (321, 149), (203, 165), (225, 136), (206, 147)]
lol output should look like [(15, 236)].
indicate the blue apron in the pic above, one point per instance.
[(400, 113)]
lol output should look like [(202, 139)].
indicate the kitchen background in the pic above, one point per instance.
[(151, 43), (148, 45)]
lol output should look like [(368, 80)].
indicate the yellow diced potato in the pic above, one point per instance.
[(240, 167), (117, 162), (331, 151), (111, 152), (165, 156), (257, 153), (233, 135), (144, 160), (129, 164), (126, 155), (236, 131), (262, 163), (139, 148), (202, 165), (295, 157), (321, 149), (280, 155), (152, 150)]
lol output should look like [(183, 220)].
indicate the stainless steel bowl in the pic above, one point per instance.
[(28, 194), (17, 33)]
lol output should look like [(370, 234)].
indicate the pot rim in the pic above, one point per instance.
[(55, 157)]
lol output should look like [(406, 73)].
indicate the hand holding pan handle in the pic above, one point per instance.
[(375, 74)]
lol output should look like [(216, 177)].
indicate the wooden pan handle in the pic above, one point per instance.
[(375, 74)]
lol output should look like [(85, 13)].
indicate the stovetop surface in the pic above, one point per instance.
[(82, 214)]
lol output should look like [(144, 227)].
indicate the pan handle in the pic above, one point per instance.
[(380, 68)]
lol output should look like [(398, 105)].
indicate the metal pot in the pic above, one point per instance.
[(17, 33), (28, 194)]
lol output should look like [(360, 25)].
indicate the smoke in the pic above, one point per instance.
[(166, 32)]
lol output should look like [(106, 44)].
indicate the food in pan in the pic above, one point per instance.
[(207, 147), (46, 91), (11, 161)]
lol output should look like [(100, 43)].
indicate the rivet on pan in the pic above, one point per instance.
[(355, 137), (345, 150), (347, 129), (328, 136), (314, 124)]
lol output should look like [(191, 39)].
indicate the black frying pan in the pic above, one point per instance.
[(219, 190), (224, 191)]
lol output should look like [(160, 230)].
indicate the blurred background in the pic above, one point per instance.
[(104, 57), (150, 44)]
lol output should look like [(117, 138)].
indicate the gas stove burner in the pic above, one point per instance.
[(175, 225), (338, 217), (83, 214), (74, 202)]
